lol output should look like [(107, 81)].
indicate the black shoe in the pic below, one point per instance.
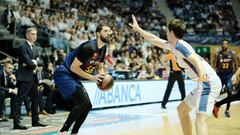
[(227, 114), (38, 124), (164, 107), (50, 111), (19, 126)]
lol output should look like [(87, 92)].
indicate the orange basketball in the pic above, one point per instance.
[(107, 83)]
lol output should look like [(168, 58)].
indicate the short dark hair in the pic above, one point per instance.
[(178, 27), (99, 27)]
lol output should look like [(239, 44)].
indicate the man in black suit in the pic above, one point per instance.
[(7, 88), (27, 61)]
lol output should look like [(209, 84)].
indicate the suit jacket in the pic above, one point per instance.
[(9, 84), (25, 64)]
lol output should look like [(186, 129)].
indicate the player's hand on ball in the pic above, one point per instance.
[(106, 83), (98, 78), (134, 25)]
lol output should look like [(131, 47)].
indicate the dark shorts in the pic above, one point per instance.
[(66, 83), (225, 77)]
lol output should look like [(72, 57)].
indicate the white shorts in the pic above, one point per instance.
[(204, 96)]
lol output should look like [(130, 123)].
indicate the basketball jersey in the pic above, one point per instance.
[(87, 53), (182, 51), (225, 62)]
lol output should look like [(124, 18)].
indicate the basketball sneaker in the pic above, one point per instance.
[(63, 133), (227, 114), (215, 111), (164, 107)]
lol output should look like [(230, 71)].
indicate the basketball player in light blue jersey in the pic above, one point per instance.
[(203, 97)]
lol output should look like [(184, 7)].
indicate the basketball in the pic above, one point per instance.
[(107, 83)]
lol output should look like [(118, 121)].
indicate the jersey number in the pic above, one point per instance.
[(89, 69), (225, 65)]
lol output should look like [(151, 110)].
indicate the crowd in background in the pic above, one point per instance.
[(72, 23), (214, 20), (63, 25)]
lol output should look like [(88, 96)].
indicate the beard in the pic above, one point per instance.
[(105, 40), (224, 48)]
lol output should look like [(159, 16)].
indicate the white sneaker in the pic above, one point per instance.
[(62, 133)]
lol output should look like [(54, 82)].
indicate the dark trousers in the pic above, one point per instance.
[(27, 104), (174, 76), (48, 103), (3, 95), (82, 106), (26, 89)]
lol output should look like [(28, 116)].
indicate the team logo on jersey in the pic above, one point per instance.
[(221, 60), (225, 60)]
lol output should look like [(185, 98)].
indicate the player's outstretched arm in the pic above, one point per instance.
[(147, 35)]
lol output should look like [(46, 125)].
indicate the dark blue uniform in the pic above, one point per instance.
[(71, 88), (225, 73), (225, 67), (90, 55)]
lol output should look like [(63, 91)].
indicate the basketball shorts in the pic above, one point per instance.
[(66, 83), (204, 96)]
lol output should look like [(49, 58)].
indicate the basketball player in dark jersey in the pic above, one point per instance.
[(78, 65), (232, 98), (226, 65)]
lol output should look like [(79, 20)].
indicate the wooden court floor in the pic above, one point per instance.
[(136, 120)]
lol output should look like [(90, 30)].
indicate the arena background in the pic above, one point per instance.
[(133, 106)]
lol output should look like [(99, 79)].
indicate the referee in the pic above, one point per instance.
[(175, 75)]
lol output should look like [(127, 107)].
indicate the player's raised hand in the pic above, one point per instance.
[(134, 24)]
